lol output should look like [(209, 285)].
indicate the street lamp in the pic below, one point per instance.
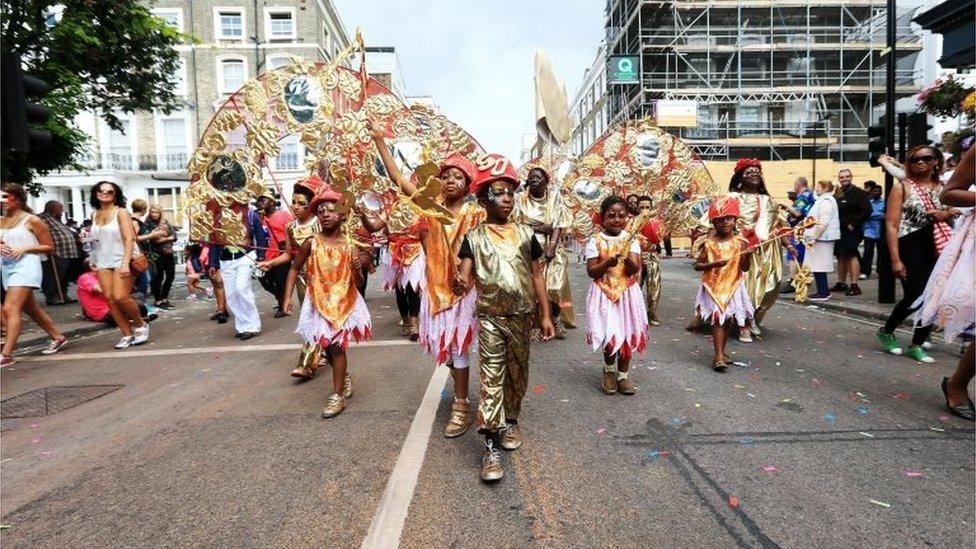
[(816, 126)]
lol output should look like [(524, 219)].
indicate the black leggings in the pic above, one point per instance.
[(274, 281), (408, 302), (162, 276), (917, 253)]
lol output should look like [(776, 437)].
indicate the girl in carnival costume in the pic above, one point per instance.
[(448, 323), (333, 313), (723, 295), (615, 310)]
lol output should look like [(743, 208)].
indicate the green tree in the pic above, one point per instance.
[(105, 56)]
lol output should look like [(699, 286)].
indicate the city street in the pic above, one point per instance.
[(815, 439)]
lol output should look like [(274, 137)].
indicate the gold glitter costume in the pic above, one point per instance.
[(502, 257), (550, 210), (441, 245), (298, 233)]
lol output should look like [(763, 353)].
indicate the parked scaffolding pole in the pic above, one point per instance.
[(886, 279)]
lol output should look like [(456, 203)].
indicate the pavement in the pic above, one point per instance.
[(816, 439)]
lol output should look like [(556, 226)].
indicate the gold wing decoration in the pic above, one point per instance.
[(426, 200), (637, 157)]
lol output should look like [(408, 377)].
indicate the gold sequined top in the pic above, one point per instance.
[(503, 256), (549, 209), (298, 232), (722, 282)]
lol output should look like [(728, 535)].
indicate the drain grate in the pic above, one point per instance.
[(51, 400)]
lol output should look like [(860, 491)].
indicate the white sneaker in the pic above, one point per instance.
[(124, 343), (140, 335), (926, 345), (863, 277)]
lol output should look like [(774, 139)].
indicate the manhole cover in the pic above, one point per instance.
[(51, 400)]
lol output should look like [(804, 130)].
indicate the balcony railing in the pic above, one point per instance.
[(172, 162)]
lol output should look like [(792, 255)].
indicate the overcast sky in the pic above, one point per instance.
[(476, 58)]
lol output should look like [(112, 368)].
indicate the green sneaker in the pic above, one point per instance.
[(919, 354), (889, 342)]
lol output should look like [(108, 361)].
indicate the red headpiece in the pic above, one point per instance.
[(312, 183), (325, 194), (491, 167), (461, 163), (723, 206), (744, 163)]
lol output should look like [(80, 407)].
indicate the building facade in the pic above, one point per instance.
[(774, 79), (233, 41)]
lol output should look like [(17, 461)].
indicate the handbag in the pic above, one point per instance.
[(139, 264)]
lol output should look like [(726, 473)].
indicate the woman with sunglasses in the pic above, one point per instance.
[(918, 228), (23, 238), (113, 244)]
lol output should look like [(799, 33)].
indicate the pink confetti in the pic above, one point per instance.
[(944, 418), (33, 426), (47, 454), (770, 469), (733, 501), (900, 396), (538, 389), (35, 440), (601, 430), (816, 382), (913, 474)]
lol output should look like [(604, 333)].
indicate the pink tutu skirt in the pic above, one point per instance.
[(619, 327), (315, 328), (400, 276), (949, 299), (740, 307), (451, 331)]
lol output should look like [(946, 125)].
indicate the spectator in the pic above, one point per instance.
[(872, 228), (633, 204), (161, 239), (802, 199), (94, 304), (275, 223), (140, 211), (65, 263), (23, 238), (821, 238), (854, 209)]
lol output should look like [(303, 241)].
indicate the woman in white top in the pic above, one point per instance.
[(820, 239), (113, 245), (23, 238)]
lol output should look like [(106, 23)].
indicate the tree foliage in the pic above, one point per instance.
[(103, 56)]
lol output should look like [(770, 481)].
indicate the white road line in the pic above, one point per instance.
[(388, 522), (136, 352)]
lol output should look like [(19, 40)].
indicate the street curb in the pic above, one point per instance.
[(846, 309)]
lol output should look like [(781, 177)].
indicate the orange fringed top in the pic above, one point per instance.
[(405, 246), (614, 282), (441, 244), (330, 283), (721, 283)]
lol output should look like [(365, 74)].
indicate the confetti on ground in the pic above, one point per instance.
[(739, 386), (900, 396), (862, 410), (689, 389), (786, 401), (205, 370), (800, 370), (652, 368), (538, 389), (33, 426), (750, 395), (869, 435), (733, 501), (698, 405), (944, 418), (816, 382), (769, 469), (564, 400), (913, 474), (937, 429), (881, 503), (748, 442), (601, 430), (830, 417), (676, 421), (35, 440), (654, 454), (47, 454)]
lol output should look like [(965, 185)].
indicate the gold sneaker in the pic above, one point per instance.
[(412, 331), (460, 419), (303, 372), (511, 437), (609, 385), (626, 386), (334, 406), (404, 329), (347, 386), (491, 464)]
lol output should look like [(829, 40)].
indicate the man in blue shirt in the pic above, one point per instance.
[(802, 203), (872, 227)]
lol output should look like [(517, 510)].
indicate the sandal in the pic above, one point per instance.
[(964, 411), (720, 365)]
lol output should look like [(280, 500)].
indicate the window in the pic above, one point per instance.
[(120, 155), (326, 38), (229, 23), (232, 74), (278, 61), (173, 145), (749, 117), (168, 199), (280, 23), (172, 16), (178, 79), (290, 157)]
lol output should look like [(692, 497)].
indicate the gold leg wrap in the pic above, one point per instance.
[(652, 286), (504, 355)]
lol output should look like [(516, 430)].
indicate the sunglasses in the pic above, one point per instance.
[(924, 158), (110, 192)]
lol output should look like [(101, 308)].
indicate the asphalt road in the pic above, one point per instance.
[(817, 440)]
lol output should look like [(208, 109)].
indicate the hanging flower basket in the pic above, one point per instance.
[(944, 98)]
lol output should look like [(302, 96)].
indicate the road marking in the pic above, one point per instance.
[(136, 353), (390, 516)]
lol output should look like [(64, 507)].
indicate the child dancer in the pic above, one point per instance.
[(501, 259), (650, 240), (615, 309), (723, 295), (333, 312), (447, 321), (405, 275)]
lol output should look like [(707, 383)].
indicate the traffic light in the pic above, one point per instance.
[(877, 139), (21, 110), (918, 129)]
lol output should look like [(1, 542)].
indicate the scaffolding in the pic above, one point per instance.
[(774, 79)]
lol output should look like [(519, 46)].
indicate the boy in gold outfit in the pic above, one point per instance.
[(501, 259)]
